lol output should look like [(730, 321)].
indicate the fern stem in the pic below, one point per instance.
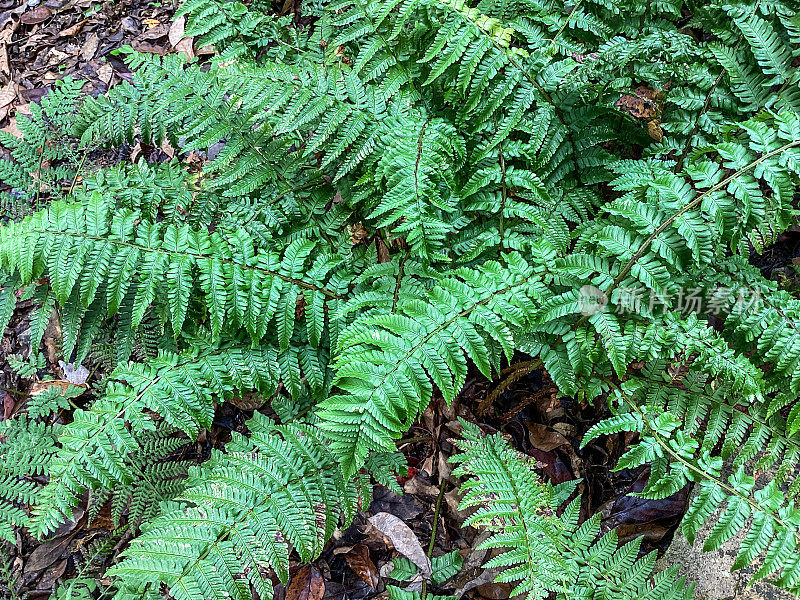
[(566, 22), (429, 554)]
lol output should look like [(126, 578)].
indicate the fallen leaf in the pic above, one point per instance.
[(167, 149), (641, 108), (51, 575), (8, 31), (89, 48), (358, 559), (403, 539), (74, 375), (7, 96), (8, 405), (105, 72), (47, 553), (73, 30), (12, 128), (177, 30), (179, 41), (186, 47), (494, 591), (148, 48), (154, 33), (654, 130), (52, 338), (307, 584), (4, 67), (37, 15), (544, 438), (645, 92)]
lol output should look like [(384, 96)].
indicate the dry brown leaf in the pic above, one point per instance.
[(494, 591), (7, 96), (654, 130), (37, 15), (8, 31), (148, 48), (641, 108), (643, 91), (359, 561), (177, 30), (50, 576), (8, 405), (178, 40), (90, 46), (12, 128), (105, 72), (47, 553), (545, 438), (155, 33), (403, 539), (74, 29), (307, 584), (186, 46), (52, 338), (167, 149), (4, 66)]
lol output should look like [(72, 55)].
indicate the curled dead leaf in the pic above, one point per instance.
[(403, 539), (73, 30), (359, 561), (307, 584)]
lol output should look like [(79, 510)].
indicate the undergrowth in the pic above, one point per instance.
[(406, 189)]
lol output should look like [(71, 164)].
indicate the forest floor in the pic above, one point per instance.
[(43, 42)]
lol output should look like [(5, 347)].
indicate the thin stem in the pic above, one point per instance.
[(429, 554)]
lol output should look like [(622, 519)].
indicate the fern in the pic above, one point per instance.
[(99, 448), (543, 552), (391, 192), (243, 510), (27, 447)]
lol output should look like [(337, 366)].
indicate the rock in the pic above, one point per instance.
[(711, 571)]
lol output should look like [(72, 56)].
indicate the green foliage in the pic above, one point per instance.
[(106, 446), (27, 447), (44, 155), (541, 551), (239, 516), (391, 193), (443, 567)]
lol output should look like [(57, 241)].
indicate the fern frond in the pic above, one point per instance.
[(99, 447), (389, 362), (279, 489), (542, 552)]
